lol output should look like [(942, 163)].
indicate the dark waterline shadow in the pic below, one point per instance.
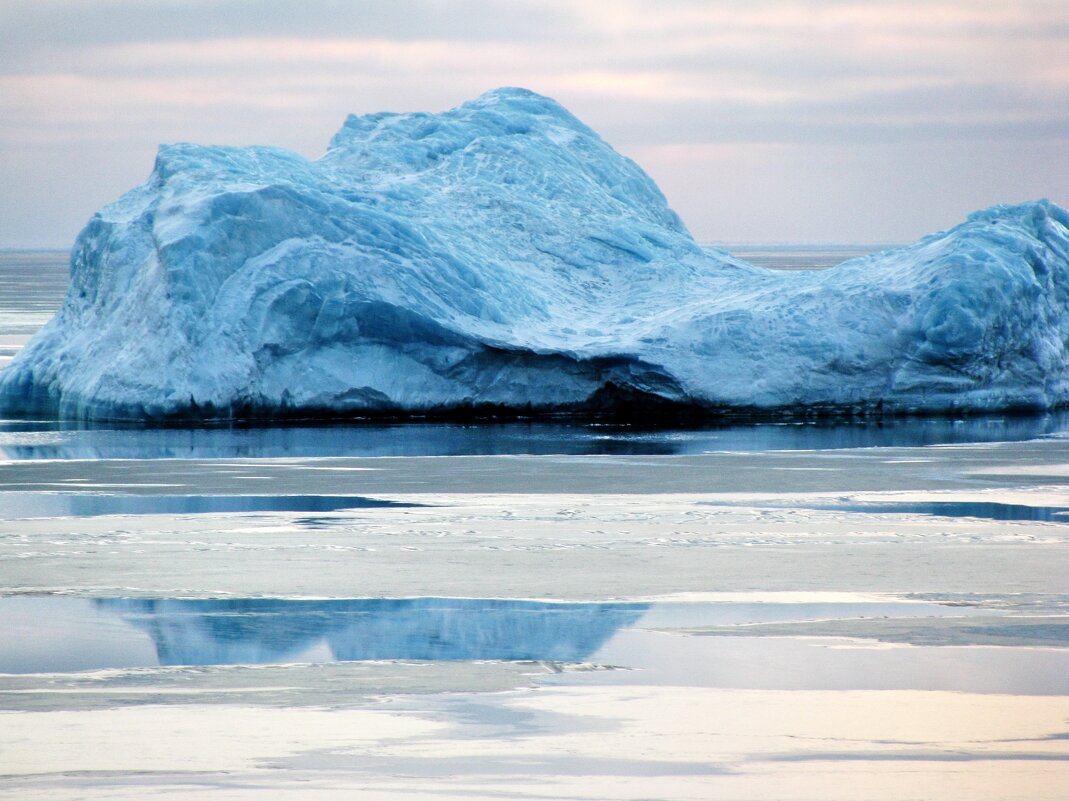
[(24, 440)]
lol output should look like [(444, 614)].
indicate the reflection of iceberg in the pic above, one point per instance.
[(502, 255), (251, 631)]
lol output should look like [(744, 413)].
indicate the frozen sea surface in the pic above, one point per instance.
[(544, 611)]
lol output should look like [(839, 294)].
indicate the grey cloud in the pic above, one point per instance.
[(26, 25), (797, 89)]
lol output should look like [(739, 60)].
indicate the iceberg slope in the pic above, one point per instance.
[(501, 253)]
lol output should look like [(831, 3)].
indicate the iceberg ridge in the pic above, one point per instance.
[(502, 255)]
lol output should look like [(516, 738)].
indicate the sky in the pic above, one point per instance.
[(762, 120)]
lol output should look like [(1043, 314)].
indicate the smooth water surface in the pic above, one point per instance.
[(983, 510), (32, 286), (666, 642), (989, 510), (275, 631), (21, 505)]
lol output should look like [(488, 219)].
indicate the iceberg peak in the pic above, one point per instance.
[(497, 113), (501, 255)]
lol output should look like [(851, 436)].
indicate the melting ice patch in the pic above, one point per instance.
[(22, 505), (502, 255)]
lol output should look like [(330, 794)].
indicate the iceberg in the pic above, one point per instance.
[(502, 257)]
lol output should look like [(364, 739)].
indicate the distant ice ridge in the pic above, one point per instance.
[(502, 255)]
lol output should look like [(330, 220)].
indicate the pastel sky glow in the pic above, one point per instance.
[(762, 120)]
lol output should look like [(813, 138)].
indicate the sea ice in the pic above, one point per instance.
[(502, 254)]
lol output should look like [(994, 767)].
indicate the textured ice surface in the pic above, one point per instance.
[(501, 253)]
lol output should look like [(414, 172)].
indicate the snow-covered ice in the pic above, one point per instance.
[(502, 253)]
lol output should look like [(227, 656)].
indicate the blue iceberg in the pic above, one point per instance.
[(501, 256)]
